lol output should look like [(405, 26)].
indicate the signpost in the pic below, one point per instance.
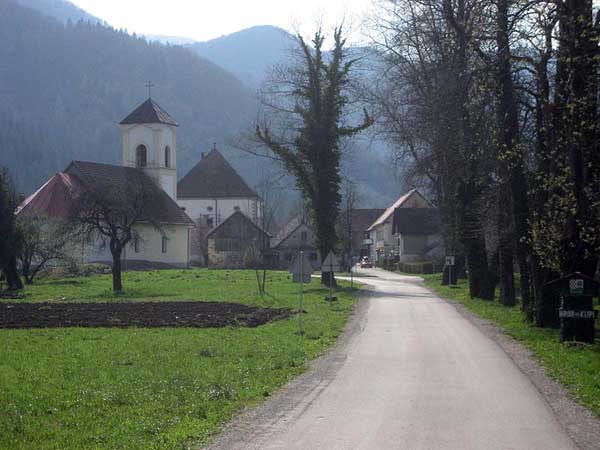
[(450, 261), (576, 313), (301, 270), (333, 264)]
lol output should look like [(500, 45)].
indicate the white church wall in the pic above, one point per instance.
[(149, 247)]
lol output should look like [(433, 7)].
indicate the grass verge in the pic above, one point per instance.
[(577, 368), (164, 388)]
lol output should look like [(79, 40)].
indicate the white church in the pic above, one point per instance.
[(149, 142)]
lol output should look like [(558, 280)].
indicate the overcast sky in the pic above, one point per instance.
[(208, 19)]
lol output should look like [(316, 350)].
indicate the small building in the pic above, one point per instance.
[(295, 236), (381, 240), (236, 242)]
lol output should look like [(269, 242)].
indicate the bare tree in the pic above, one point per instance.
[(110, 213), (44, 240), (344, 225)]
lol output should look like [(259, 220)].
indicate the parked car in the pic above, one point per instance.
[(364, 262)]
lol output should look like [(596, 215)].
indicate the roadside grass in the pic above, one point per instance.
[(576, 367), (160, 388)]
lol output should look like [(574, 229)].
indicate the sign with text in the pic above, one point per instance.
[(569, 314), (576, 286), (450, 260), (301, 269), (331, 263)]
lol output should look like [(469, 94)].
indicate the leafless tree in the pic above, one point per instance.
[(110, 213), (45, 240)]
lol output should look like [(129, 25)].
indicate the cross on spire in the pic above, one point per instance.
[(149, 85)]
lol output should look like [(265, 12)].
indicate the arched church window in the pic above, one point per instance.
[(141, 156), (167, 156)]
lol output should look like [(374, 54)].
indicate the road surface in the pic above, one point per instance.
[(414, 375)]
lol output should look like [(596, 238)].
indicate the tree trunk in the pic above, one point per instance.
[(12, 275), (506, 276), (116, 271), (578, 55), (481, 283), (328, 278)]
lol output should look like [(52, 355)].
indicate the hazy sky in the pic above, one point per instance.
[(207, 19)]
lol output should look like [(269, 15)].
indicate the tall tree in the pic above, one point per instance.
[(10, 238), (313, 155)]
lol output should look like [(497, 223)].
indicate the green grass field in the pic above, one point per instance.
[(161, 388), (578, 368)]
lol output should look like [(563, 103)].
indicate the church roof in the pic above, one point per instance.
[(94, 175), (213, 177), (149, 112), (53, 199)]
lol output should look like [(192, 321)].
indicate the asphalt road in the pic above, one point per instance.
[(413, 374)]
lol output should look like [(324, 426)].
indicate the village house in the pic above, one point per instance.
[(295, 236), (237, 242), (414, 236), (149, 145)]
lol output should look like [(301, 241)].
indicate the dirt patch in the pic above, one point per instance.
[(136, 314)]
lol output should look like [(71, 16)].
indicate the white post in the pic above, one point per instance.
[(301, 319)]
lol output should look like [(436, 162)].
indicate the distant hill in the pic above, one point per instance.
[(61, 10), (248, 54), (64, 88)]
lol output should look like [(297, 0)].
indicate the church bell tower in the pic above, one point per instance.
[(149, 142)]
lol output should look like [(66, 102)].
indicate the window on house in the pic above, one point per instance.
[(210, 222), (209, 208), (312, 256), (136, 244), (167, 156), (228, 245), (141, 156), (304, 236), (164, 244), (236, 208), (289, 256)]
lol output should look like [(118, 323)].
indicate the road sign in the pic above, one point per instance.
[(331, 263), (450, 260), (301, 269)]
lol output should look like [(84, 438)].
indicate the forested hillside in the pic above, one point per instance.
[(62, 10), (64, 88)]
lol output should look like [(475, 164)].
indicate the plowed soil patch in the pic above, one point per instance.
[(135, 314)]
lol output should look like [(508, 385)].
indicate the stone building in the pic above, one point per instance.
[(236, 242)]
